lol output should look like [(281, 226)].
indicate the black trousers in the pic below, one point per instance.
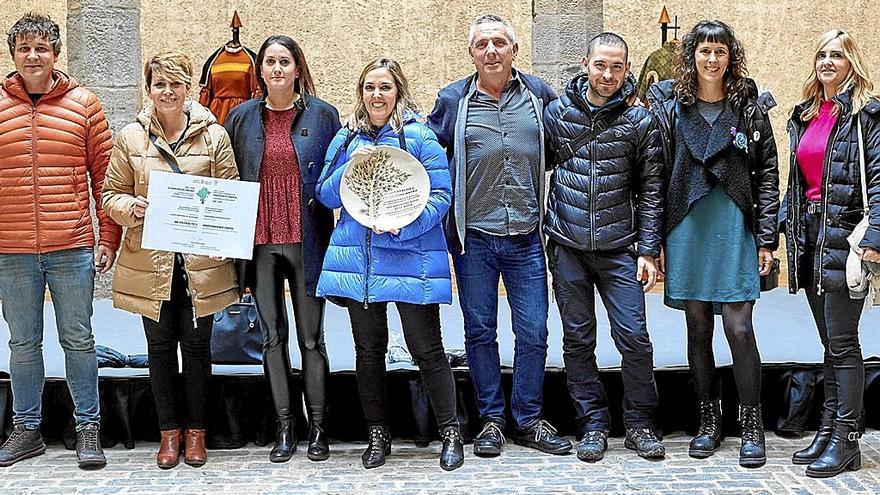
[(176, 327), (421, 331), (837, 319), (576, 276), (274, 263)]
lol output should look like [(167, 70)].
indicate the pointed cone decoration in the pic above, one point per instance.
[(236, 21), (664, 16)]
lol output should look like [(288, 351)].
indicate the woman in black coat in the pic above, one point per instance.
[(722, 201), (824, 205), (279, 141)]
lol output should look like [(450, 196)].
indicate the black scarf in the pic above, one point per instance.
[(705, 156)]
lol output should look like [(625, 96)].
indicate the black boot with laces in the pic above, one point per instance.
[(645, 442), (21, 444), (709, 435), (378, 448), (751, 452), (452, 453), (89, 453), (488, 443), (542, 435)]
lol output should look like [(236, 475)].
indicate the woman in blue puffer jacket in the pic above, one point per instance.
[(366, 268)]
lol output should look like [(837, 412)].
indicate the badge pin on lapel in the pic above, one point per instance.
[(756, 136), (304, 132)]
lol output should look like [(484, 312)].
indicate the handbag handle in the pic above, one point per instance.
[(862, 170)]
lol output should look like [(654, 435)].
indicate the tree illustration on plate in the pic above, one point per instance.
[(373, 178)]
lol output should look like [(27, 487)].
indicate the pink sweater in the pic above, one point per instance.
[(812, 147)]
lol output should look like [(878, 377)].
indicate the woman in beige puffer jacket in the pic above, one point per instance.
[(142, 280), (176, 293)]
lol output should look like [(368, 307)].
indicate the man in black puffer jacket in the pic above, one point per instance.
[(605, 197)]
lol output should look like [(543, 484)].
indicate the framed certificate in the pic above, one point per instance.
[(200, 215), (387, 188)]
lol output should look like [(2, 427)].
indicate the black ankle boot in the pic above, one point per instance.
[(817, 446), (452, 453), (709, 435), (751, 452), (319, 449), (841, 454), (285, 442), (378, 448)]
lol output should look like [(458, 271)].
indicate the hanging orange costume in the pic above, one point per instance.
[(228, 78)]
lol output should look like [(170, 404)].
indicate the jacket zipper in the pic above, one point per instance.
[(369, 242), (189, 291), (794, 200), (827, 176), (34, 174), (367, 272), (592, 185)]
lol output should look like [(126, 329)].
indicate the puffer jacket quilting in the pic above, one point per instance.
[(841, 198), (411, 266), (142, 280), (48, 153), (608, 194)]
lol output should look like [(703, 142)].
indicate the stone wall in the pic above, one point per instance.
[(428, 37)]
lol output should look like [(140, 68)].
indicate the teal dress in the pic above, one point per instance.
[(711, 255)]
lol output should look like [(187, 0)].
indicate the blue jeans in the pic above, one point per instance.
[(70, 275), (519, 261)]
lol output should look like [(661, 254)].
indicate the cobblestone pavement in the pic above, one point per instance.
[(412, 470)]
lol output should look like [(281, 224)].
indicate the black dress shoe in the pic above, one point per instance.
[(542, 436), (21, 444), (89, 453), (488, 443), (645, 442), (452, 453), (709, 435), (378, 448), (593, 445), (319, 448), (285, 442)]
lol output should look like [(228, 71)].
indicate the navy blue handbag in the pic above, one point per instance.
[(237, 337)]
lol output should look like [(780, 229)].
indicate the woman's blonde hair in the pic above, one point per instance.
[(174, 66), (404, 105), (858, 80)]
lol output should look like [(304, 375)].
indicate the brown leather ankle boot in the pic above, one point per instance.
[(194, 453), (169, 449)]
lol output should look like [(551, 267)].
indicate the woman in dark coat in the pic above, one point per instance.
[(825, 203), (279, 141), (722, 200)]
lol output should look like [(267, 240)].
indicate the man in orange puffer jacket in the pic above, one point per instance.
[(53, 140)]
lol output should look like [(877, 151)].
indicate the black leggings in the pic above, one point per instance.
[(421, 331), (274, 263), (175, 326), (837, 319), (737, 320)]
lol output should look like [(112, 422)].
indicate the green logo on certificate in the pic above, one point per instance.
[(203, 194)]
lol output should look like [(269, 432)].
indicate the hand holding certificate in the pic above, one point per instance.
[(200, 215)]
